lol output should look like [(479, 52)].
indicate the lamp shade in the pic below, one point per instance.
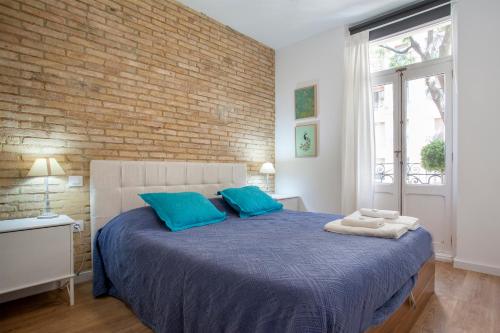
[(45, 167), (267, 168)]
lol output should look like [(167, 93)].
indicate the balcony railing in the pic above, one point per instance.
[(384, 173), (415, 174)]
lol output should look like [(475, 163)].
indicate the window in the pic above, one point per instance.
[(425, 130), (384, 127), (378, 97), (428, 43)]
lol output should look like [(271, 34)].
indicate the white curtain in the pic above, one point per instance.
[(358, 152)]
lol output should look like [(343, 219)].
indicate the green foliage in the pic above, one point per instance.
[(433, 156), (401, 60)]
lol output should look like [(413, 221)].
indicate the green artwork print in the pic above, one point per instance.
[(305, 102), (305, 141)]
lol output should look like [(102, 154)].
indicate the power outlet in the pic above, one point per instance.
[(75, 181), (78, 226)]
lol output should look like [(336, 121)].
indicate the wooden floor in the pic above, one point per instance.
[(464, 302)]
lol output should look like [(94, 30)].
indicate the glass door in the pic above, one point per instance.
[(412, 119), (386, 114), (411, 87), (427, 149)]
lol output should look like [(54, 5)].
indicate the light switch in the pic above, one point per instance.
[(75, 181)]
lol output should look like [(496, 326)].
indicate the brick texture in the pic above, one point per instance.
[(124, 79)]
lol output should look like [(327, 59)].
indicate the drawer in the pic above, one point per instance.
[(34, 256)]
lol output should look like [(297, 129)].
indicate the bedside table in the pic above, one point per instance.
[(289, 201), (36, 251)]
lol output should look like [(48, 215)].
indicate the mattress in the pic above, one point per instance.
[(278, 272)]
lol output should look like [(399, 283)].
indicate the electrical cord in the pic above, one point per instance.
[(76, 227), (79, 270)]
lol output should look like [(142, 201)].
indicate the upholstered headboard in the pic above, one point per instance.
[(114, 185)]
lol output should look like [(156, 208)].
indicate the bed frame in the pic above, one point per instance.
[(114, 186), (403, 319)]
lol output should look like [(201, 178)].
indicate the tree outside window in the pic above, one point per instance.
[(429, 43)]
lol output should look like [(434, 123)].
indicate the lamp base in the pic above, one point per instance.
[(47, 215)]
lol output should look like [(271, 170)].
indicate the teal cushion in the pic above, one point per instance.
[(183, 210), (250, 201)]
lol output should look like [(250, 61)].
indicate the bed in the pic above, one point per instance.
[(278, 272)]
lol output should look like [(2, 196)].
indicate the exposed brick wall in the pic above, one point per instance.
[(100, 79)]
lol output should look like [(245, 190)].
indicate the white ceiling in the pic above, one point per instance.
[(278, 23)]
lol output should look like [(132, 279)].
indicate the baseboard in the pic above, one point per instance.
[(471, 266), (443, 257), (80, 278)]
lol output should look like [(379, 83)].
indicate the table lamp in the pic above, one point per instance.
[(267, 169), (46, 167)]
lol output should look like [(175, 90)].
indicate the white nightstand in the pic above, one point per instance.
[(289, 201), (36, 251)]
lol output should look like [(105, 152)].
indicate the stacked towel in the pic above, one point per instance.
[(389, 230), (386, 214), (410, 222), (374, 223), (391, 216), (357, 220)]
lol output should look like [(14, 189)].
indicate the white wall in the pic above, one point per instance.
[(320, 59), (478, 146), (317, 60)]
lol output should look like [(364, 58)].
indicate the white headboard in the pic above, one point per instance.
[(115, 185)]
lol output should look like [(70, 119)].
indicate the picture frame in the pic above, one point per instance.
[(306, 140), (305, 101)]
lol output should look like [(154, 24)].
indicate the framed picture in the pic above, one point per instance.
[(305, 102), (305, 140)]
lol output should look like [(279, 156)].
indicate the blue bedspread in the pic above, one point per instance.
[(273, 273)]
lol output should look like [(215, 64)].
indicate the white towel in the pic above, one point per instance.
[(389, 230), (357, 220), (410, 222), (386, 214)]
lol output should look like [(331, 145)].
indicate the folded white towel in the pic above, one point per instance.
[(410, 222), (357, 220), (386, 214), (389, 230)]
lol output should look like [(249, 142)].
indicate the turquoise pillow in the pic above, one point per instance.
[(250, 201), (183, 210)]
